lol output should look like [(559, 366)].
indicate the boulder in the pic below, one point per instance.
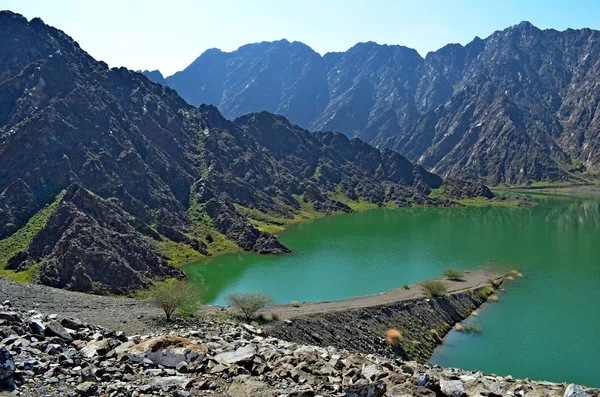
[(241, 355), (575, 391), (86, 389), (180, 382), (168, 351), (10, 317), (53, 328), (244, 386), (452, 388), (37, 327), (7, 369), (376, 389), (95, 348)]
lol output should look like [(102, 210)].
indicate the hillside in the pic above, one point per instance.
[(518, 106), (107, 179)]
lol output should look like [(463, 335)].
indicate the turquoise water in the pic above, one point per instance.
[(543, 327)]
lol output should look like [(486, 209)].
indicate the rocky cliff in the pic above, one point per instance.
[(107, 178), (520, 105)]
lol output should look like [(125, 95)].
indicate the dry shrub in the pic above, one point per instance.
[(295, 304), (519, 274), (458, 327), (510, 278), (474, 313), (453, 274), (172, 295), (248, 304), (466, 271), (493, 298), (434, 288), (514, 272), (393, 337)]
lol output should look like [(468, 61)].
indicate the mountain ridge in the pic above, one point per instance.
[(545, 83)]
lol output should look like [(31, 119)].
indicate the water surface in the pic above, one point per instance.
[(544, 326)]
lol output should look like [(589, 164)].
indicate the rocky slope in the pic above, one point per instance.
[(47, 355), (518, 106), (107, 178)]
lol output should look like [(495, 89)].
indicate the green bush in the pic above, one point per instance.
[(453, 274), (434, 288), (173, 295), (275, 317), (248, 304), (485, 292), (406, 286)]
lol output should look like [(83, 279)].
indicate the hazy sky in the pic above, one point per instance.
[(169, 35)]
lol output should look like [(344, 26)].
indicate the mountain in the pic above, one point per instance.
[(154, 75), (107, 179), (518, 106)]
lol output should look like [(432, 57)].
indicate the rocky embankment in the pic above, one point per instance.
[(422, 323), (50, 355), (44, 355)]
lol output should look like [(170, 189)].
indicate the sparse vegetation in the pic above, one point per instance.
[(174, 295), (393, 337), (20, 240), (472, 328), (248, 303), (434, 288), (275, 317), (406, 286), (485, 292), (453, 274), (295, 304), (494, 283)]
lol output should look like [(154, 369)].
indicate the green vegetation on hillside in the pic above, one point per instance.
[(20, 240)]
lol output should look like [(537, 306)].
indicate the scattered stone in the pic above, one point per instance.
[(54, 328)]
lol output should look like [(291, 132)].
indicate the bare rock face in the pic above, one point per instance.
[(520, 105)]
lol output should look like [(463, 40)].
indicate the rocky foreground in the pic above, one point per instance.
[(45, 355)]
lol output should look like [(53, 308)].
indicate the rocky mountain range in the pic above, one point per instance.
[(107, 178), (520, 105)]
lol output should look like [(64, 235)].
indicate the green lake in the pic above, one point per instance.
[(545, 325)]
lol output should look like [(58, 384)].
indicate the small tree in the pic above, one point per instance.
[(172, 295), (248, 304), (453, 274), (434, 288)]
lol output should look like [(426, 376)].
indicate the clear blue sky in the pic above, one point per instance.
[(169, 35)]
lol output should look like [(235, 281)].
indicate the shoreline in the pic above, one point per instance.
[(476, 279), (283, 228), (136, 316)]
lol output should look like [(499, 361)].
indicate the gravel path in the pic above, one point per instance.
[(131, 316), (472, 280), (134, 316)]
